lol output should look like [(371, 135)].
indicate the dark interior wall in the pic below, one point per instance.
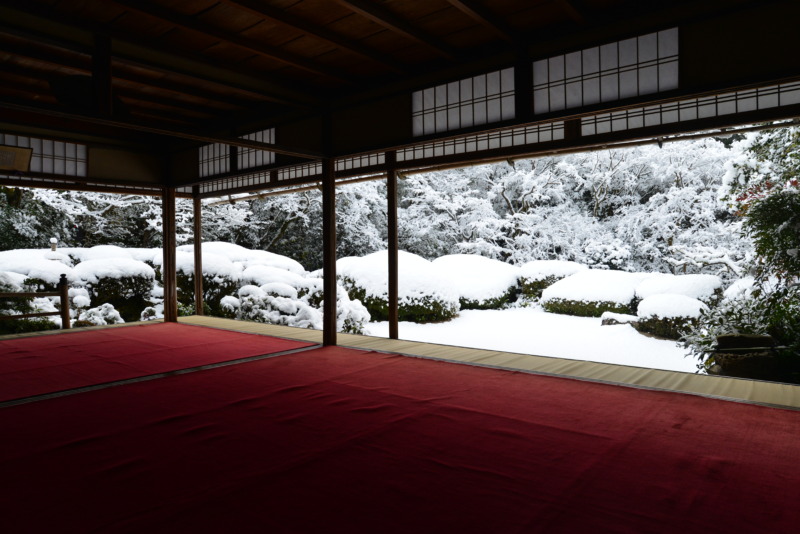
[(742, 47), (384, 122), (116, 164)]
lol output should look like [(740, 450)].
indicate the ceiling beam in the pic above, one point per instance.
[(252, 45), (389, 20), (322, 33), (573, 10), (140, 51), (158, 130), (483, 16), (81, 65)]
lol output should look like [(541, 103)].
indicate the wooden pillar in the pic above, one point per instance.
[(198, 250), (393, 244), (329, 251), (168, 267)]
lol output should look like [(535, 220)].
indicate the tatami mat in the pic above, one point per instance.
[(753, 391)]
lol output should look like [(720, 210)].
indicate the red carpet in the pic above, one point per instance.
[(37, 365), (340, 441)]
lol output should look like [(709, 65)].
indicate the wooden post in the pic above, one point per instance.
[(198, 251), (168, 266), (393, 244), (63, 293), (329, 251)]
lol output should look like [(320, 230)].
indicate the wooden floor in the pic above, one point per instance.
[(736, 389)]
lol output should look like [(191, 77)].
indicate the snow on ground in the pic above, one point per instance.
[(534, 331)]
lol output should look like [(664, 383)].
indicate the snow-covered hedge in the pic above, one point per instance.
[(704, 287), (482, 283), (536, 276), (424, 294), (589, 293), (123, 282), (668, 315)]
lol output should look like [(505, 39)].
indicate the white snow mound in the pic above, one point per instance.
[(418, 276), (540, 269), (477, 277), (666, 306), (593, 285), (698, 286), (93, 270)]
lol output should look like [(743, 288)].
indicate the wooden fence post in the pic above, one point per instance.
[(63, 290)]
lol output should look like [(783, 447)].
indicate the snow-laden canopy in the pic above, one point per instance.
[(418, 276), (213, 265), (698, 286), (477, 277), (593, 285), (41, 264), (93, 270), (247, 257), (100, 252), (266, 274), (537, 270), (666, 306)]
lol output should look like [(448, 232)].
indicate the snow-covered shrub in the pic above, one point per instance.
[(482, 283), (424, 295), (151, 313), (704, 287), (667, 315), (124, 283), (221, 277), (535, 276), (101, 315), (351, 315), (267, 304), (591, 292), (15, 283)]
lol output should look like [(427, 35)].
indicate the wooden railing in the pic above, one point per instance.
[(62, 293)]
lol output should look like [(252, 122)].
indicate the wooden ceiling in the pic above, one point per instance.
[(208, 64)]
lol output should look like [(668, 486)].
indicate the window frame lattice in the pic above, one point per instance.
[(642, 65), (52, 157), (473, 101)]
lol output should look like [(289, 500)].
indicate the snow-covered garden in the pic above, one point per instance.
[(609, 256)]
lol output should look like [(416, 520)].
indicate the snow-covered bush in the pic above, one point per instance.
[(537, 275), (15, 283), (221, 277), (482, 283), (101, 315), (351, 315), (704, 287), (424, 295), (268, 304), (668, 315), (591, 292), (123, 282)]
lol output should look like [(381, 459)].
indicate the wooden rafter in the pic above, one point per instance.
[(387, 19), (318, 32), (252, 45), (128, 47), (571, 8), (483, 16)]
